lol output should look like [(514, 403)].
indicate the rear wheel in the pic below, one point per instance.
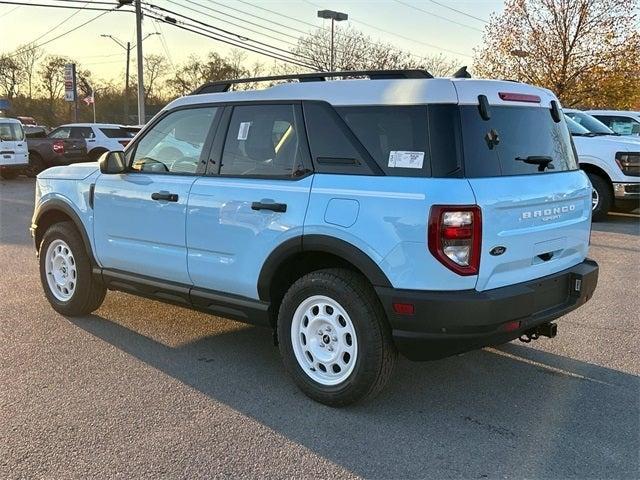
[(36, 164), (65, 272), (334, 337), (601, 199)]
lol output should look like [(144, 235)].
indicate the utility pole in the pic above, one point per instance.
[(127, 48), (335, 17), (141, 114)]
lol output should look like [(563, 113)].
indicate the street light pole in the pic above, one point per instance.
[(141, 114), (335, 17)]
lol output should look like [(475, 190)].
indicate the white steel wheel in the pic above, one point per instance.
[(324, 340), (61, 270), (595, 199)]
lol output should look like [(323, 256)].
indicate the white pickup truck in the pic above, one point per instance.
[(612, 163)]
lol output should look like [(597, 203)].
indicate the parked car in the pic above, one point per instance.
[(100, 137), (613, 166), (356, 218), (620, 121), (14, 155), (591, 123), (51, 151)]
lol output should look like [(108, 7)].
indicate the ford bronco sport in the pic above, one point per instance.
[(357, 218)]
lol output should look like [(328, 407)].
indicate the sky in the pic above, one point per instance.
[(423, 27)]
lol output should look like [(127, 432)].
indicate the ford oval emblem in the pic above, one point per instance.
[(499, 250)]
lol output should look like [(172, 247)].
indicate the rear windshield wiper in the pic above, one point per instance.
[(540, 160)]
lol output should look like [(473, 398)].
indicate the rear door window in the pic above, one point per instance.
[(515, 141), (620, 124), (117, 133), (82, 132), (11, 132)]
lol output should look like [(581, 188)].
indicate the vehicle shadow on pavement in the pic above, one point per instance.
[(511, 411), (628, 224)]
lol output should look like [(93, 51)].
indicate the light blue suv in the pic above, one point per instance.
[(356, 218)]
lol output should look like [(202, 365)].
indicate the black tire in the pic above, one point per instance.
[(36, 165), (604, 195), (9, 174), (95, 154), (89, 292), (377, 354)]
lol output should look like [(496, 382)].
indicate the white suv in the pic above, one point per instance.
[(100, 137), (613, 166)]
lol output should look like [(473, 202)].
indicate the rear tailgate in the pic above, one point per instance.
[(542, 221), (521, 164)]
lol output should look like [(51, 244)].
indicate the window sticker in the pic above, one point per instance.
[(404, 159), (243, 131)]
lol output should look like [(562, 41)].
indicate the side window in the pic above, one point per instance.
[(62, 132), (82, 132), (175, 143), (332, 149), (395, 136), (623, 125), (263, 140)]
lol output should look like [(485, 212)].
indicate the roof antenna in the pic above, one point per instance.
[(462, 73)]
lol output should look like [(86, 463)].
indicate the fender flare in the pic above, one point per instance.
[(319, 243), (64, 207)]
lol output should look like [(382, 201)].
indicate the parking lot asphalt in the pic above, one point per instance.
[(144, 390)]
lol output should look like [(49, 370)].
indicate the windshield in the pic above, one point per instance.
[(590, 123), (575, 128), (11, 132), (515, 141)]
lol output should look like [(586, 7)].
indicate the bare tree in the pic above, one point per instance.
[(155, 69), (196, 72), (355, 50), (27, 57), (586, 51), (11, 76), (51, 73)]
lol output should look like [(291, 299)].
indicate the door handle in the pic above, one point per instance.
[(276, 207), (166, 196)]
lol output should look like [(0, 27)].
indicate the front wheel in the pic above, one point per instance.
[(65, 272), (334, 337)]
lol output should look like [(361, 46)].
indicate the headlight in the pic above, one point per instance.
[(629, 163)]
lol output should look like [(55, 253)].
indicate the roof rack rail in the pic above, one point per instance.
[(225, 85)]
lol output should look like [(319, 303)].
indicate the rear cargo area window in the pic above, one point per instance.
[(396, 137), (515, 141)]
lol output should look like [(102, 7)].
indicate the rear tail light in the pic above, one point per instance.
[(124, 143), (455, 234), (58, 146)]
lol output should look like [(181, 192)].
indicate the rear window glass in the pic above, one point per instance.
[(395, 137), (515, 141), (10, 132), (117, 133)]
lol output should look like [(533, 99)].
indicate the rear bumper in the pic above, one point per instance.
[(446, 323), (13, 166)]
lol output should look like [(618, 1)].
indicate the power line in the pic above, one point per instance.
[(22, 4), (58, 24), (242, 26), (10, 11), (158, 28), (233, 34), (459, 11), (62, 34), (436, 15), (192, 28), (412, 39)]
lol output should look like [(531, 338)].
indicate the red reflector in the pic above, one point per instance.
[(511, 326), (454, 233), (404, 308), (519, 97)]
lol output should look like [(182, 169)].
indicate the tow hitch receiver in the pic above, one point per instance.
[(548, 330)]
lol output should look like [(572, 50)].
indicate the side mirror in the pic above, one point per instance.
[(112, 162)]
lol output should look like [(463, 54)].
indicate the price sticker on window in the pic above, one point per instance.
[(243, 131), (405, 159)]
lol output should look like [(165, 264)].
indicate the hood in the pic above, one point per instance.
[(76, 171), (605, 142)]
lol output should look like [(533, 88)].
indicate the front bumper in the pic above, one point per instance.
[(626, 191), (446, 323)]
